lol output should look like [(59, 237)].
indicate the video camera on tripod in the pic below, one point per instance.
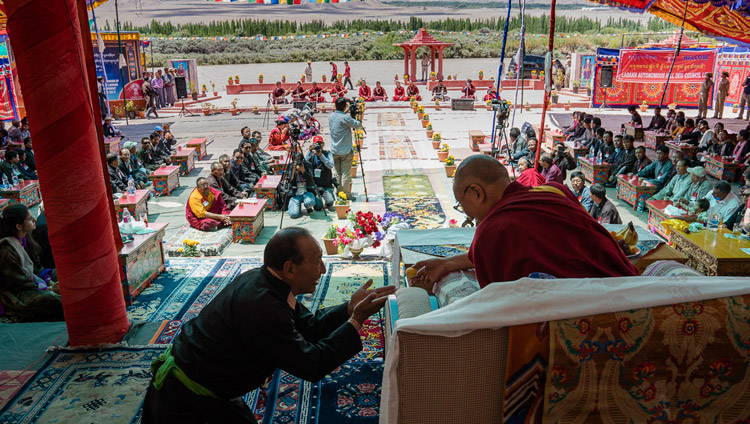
[(502, 109), (356, 108)]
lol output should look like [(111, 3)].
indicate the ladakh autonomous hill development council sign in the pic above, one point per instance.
[(652, 66)]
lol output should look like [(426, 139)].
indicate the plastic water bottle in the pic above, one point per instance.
[(591, 152), (126, 217), (15, 180), (599, 158), (131, 186), (5, 182), (641, 205)]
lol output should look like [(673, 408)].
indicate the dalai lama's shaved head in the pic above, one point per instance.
[(479, 184)]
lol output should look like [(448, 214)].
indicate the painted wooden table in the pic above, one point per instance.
[(553, 137), (485, 149), (633, 189), (663, 252), (247, 220), (635, 131), (653, 139), (592, 172), (656, 215), (687, 149), (4, 204), (199, 144), (711, 253), (577, 148), (142, 260), (165, 179), (137, 204), (184, 157), (113, 145), (26, 192), (720, 168), (476, 138), (265, 188)]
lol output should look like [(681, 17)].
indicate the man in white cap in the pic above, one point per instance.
[(308, 72), (699, 186)]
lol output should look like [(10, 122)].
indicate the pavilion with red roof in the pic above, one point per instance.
[(422, 38)]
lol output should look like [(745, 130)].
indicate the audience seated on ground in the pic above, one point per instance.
[(217, 182), (607, 147), (205, 209), (147, 156), (707, 135), (741, 152), (14, 132), (246, 182), (30, 158), (316, 93), (130, 169), (399, 94), (550, 171), (586, 134), (602, 209), (365, 92), (671, 123), (658, 122), (583, 193), (505, 211), (378, 93), (699, 186), (230, 178), (641, 160), (468, 90), (136, 163), (690, 135), (299, 93), (440, 91), (252, 167), (8, 166), (109, 129), (564, 160), (635, 117), (528, 175), (23, 169), (27, 291), (279, 136), (117, 179), (623, 160), (337, 90), (677, 188), (517, 144), (723, 202), (413, 91), (659, 171)]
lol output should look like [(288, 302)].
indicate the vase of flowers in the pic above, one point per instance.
[(450, 166), (203, 89), (735, 108), (189, 248), (406, 79), (534, 75), (366, 227), (329, 238), (302, 78), (323, 77), (644, 106), (343, 206), (436, 140), (425, 120), (430, 132), (443, 152)]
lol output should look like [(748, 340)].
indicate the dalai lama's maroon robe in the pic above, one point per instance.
[(531, 178)]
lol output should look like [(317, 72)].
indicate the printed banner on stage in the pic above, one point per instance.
[(652, 66)]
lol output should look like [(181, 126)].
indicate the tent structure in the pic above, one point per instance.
[(724, 19), (422, 39)]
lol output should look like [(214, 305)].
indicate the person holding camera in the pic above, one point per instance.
[(321, 162), (341, 126), (303, 188)]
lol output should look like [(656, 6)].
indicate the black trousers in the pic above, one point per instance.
[(174, 403)]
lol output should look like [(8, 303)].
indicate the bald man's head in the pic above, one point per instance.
[(481, 168), (479, 184)]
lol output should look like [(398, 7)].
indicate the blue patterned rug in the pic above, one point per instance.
[(351, 393), (85, 386)]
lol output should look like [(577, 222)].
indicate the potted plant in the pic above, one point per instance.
[(735, 108), (256, 111), (189, 248), (450, 166), (234, 110), (588, 89), (489, 104), (203, 88), (433, 77), (237, 79), (323, 108), (206, 108), (283, 79), (395, 78), (541, 74), (420, 112), (553, 96), (324, 78), (576, 86), (354, 167), (429, 131), (437, 104), (567, 105), (481, 75), (415, 107), (275, 109), (130, 109), (342, 205), (260, 79), (193, 91), (644, 106), (449, 77), (213, 89), (406, 79), (230, 81), (117, 112), (436, 140), (328, 240), (443, 152), (339, 77), (559, 79), (302, 78), (533, 75), (425, 120), (527, 106)]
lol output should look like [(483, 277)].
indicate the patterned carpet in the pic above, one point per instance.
[(350, 394), (212, 243)]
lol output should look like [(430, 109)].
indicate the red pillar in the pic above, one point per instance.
[(440, 63), (413, 74), (432, 56), (54, 58), (406, 60)]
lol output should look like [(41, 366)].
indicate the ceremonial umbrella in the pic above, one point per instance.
[(722, 19)]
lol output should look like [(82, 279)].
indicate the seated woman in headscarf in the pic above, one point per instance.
[(24, 295)]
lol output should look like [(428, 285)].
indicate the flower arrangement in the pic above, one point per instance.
[(432, 74), (429, 127), (450, 161), (341, 199), (234, 103), (193, 89), (425, 117), (338, 76), (436, 137), (420, 109), (644, 103), (354, 162), (452, 223), (118, 110), (203, 87), (130, 106), (406, 76), (553, 93), (236, 77), (206, 106), (445, 148), (332, 232), (344, 237), (189, 247), (437, 102), (260, 76), (541, 73), (366, 225), (576, 84)]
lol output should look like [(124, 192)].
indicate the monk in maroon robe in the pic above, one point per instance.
[(523, 230), (365, 92), (413, 91), (529, 176), (316, 93), (468, 90), (399, 94), (378, 93), (205, 208), (279, 94)]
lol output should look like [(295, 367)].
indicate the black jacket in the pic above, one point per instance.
[(249, 329)]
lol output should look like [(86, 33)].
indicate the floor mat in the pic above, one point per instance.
[(23, 344), (212, 243), (407, 186), (85, 386), (11, 382), (351, 393), (420, 213)]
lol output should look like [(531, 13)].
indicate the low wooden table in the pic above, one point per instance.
[(485, 149), (142, 260), (552, 137), (710, 253), (592, 172), (4, 204), (636, 132), (653, 139), (247, 220), (656, 215), (199, 144), (663, 252), (265, 188), (26, 193), (687, 149), (165, 179), (578, 149), (720, 168), (476, 138), (113, 145), (137, 204), (633, 189), (185, 158)]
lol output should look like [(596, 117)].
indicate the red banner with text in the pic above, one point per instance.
[(652, 66)]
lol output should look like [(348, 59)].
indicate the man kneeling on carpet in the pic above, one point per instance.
[(252, 327), (206, 209)]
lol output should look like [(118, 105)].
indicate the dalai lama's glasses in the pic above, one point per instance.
[(458, 206)]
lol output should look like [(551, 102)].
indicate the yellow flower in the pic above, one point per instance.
[(196, 243), (185, 241), (179, 250), (342, 195)]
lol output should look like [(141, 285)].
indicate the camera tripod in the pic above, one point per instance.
[(184, 111), (269, 106), (283, 191)]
